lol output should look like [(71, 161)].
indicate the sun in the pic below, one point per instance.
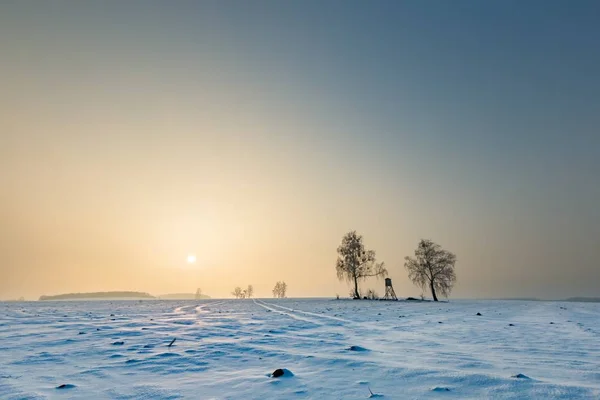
[(191, 258)]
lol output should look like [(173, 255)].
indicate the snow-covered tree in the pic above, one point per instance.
[(433, 267), (354, 263)]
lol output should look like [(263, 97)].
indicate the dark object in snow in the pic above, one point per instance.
[(357, 348), (411, 299), (112, 315), (373, 395), (281, 372), (277, 373), (118, 343), (172, 341), (440, 389), (479, 314), (551, 323), (511, 325), (520, 376), (82, 333), (66, 386)]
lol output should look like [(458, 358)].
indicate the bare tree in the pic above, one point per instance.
[(198, 293), (237, 292), (250, 291), (433, 267), (280, 289), (355, 263)]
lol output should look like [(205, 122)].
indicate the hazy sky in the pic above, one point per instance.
[(256, 133)]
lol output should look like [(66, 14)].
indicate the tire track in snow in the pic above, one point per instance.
[(183, 309), (352, 325), (201, 308), (325, 316), (289, 314)]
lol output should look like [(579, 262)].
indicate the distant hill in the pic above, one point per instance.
[(571, 299), (584, 299), (181, 296), (99, 296), (520, 298)]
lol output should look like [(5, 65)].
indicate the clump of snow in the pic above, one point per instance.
[(520, 376)]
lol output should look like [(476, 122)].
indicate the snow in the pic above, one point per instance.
[(228, 349)]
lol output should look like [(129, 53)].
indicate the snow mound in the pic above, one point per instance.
[(66, 386), (357, 348), (282, 373)]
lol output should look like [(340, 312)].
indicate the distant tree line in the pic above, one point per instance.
[(280, 290), (98, 295), (431, 268), (247, 293)]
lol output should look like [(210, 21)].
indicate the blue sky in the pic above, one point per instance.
[(471, 123)]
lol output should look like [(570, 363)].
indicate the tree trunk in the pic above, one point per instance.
[(356, 295), (433, 291)]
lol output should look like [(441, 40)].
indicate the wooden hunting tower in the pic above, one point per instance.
[(389, 290)]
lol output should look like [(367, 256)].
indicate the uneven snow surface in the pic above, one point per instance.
[(227, 349)]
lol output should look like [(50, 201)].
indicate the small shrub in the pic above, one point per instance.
[(372, 295)]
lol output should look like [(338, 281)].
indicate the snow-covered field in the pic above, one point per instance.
[(226, 349)]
